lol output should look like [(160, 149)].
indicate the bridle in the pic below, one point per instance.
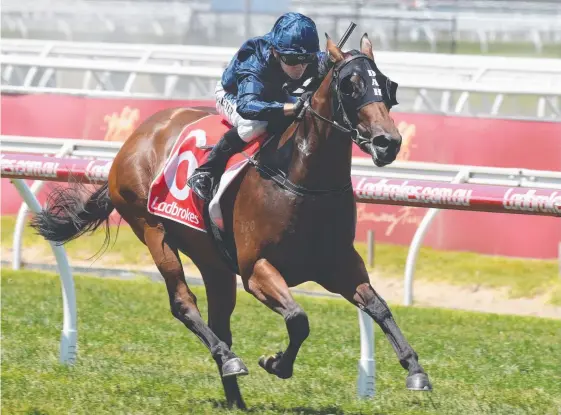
[(338, 107), (346, 127)]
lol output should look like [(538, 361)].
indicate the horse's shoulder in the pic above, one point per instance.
[(207, 110)]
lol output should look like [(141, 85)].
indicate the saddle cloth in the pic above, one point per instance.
[(170, 197)]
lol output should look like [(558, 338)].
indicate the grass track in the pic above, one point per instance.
[(135, 358), (522, 277)]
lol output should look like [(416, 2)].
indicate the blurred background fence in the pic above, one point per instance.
[(479, 85), (490, 86), (467, 26)]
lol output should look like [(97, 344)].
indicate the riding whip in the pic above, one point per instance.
[(346, 35)]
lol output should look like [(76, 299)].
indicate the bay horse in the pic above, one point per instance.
[(285, 234)]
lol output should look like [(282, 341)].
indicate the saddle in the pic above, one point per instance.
[(171, 198)]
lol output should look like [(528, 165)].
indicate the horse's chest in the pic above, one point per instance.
[(311, 231), (298, 235)]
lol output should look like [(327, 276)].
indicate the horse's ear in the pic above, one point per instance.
[(335, 53), (366, 46)]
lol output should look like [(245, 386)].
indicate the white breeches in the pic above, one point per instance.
[(226, 106)]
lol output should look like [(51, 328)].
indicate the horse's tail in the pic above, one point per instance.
[(68, 216)]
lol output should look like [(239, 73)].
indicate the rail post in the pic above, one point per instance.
[(69, 335)]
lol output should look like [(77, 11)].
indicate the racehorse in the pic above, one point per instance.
[(285, 232)]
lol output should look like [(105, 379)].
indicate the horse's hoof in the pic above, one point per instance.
[(267, 362), (418, 382), (234, 367)]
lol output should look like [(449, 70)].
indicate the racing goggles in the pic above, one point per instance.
[(294, 59)]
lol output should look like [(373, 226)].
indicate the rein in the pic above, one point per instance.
[(354, 133), (280, 178)]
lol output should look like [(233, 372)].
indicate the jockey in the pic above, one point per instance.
[(250, 93)]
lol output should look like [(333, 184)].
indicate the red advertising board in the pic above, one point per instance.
[(431, 138)]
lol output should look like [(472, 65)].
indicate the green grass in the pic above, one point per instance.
[(135, 358), (127, 249), (523, 277)]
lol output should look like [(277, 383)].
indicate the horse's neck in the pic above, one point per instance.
[(321, 155)]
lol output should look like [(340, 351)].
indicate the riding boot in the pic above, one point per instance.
[(203, 178)]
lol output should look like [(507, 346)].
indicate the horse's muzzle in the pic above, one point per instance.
[(384, 149)]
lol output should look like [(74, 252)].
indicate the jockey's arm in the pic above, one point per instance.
[(251, 105)]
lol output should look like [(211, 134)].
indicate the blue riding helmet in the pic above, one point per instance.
[(295, 34)]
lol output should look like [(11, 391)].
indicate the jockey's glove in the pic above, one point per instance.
[(299, 104)]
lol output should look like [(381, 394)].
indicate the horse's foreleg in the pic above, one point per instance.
[(184, 303), (269, 287), (220, 286), (353, 284), (367, 299)]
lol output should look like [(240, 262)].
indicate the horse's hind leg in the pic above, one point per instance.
[(269, 287), (220, 284), (182, 301), (352, 282)]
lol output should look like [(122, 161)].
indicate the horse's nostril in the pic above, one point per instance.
[(381, 141)]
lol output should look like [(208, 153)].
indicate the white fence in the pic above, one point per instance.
[(442, 173), (54, 149), (437, 83)]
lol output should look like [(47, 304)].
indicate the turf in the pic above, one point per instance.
[(135, 358), (522, 277)]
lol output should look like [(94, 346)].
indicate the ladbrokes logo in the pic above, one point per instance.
[(97, 170), (173, 209), (120, 126), (530, 202), (381, 189)]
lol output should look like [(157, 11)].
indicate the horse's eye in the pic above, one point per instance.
[(353, 86)]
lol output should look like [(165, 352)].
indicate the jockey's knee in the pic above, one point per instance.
[(251, 129)]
